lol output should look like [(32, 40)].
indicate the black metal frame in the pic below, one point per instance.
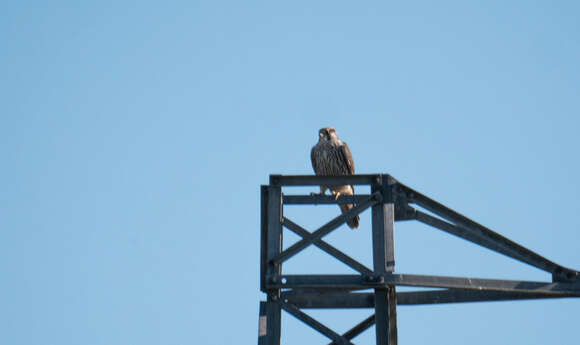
[(389, 201)]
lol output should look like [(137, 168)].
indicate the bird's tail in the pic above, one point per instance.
[(354, 221)]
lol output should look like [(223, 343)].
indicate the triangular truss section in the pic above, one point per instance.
[(389, 201)]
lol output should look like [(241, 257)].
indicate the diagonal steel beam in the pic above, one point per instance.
[(501, 244), (358, 329), (466, 234), (350, 262), (310, 321), (326, 229)]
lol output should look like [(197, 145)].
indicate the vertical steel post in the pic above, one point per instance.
[(273, 242), (383, 225)]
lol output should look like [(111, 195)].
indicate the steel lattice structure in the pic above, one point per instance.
[(390, 201)]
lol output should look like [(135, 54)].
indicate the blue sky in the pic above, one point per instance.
[(135, 136)]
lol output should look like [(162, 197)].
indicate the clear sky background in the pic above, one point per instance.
[(134, 137)]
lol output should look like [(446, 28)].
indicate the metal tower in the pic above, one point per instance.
[(390, 201)]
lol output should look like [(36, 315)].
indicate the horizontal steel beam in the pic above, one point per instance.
[(357, 282), (354, 300), (466, 296), (329, 299), (319, 199), (314, 180)]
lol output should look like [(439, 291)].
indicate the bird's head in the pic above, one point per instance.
[(327, 133)]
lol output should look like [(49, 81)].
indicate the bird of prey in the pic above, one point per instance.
[(331, 157)]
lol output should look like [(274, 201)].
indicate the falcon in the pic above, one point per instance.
[(331, 157)]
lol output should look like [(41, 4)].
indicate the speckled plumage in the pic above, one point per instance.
[(332, 157)]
